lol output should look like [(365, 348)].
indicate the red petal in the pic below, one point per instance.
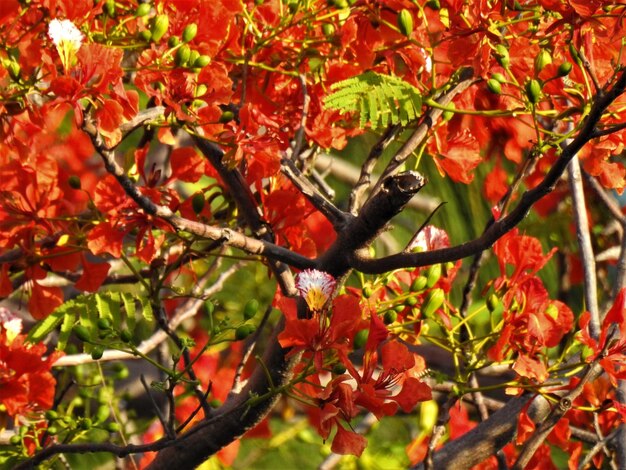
[(348, 443)]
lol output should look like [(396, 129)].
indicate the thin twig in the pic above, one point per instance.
[(545, 427), (332, 213), (585, 246), (169, 432), (248, 350), (599, 446), (438, 431), (465, 79), (193, 414), (363, 182), (349, 174)]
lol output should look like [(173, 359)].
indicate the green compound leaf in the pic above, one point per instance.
[(378, 100)]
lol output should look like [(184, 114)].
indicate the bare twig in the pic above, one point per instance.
[(438, 431), (332, 213), (167, 429), (142, 117), (364, 179), (585, 247), (249, 348), (349, 174), (464, 80), (545, 427)]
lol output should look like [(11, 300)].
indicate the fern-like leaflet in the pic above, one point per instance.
[(379, 100)]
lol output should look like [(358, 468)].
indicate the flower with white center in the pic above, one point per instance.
[(10, 323), (67, 39), (316, 287)]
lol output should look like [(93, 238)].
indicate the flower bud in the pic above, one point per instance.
[(493, 302), (542, 59), (498, 77), (202, 61), (160, 27), (502, 55), (227, 116), (190, 32), (533, 91), (494, 86), (193, 56), (250, 309), (433, 301), (564, 69), (74, 182), (109, 7), (360, 338), (182, 55), (389, 317), (97, 352), (244, 331), (405, 22), (328, 29), (142, 10), (419, 283), (433, 273), (82, 333)]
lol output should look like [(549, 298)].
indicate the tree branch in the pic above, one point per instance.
[(584, 243), (508, 222)]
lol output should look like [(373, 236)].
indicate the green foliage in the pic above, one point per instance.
[(378, 100), (92, 313)]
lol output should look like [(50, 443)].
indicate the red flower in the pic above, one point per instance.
[(26, 383), (323, 334), (613, 360)]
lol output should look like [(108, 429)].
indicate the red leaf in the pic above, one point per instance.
[(531, 368), (495, 185), (378, 333), (413, 392), (348, 442), (6, 286), (104, 238), (187, 165), (396, 356), (461, 156), (93, 276), (43, 300), (525, 427)]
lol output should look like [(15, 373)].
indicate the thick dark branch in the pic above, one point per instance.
[(505, 224), (482, 441), (360, 231), (239, 413)]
